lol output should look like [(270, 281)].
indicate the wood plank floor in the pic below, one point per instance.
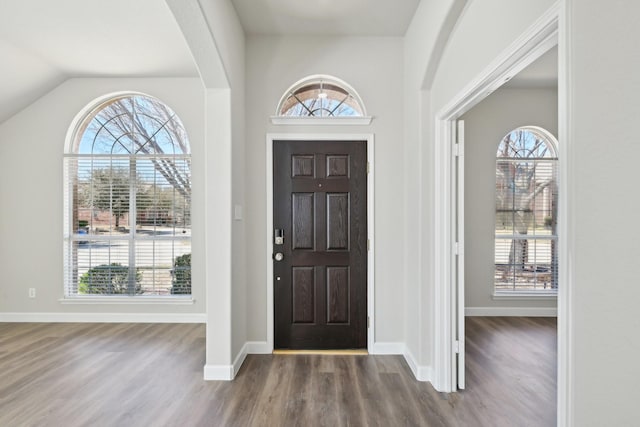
[(151, 375)]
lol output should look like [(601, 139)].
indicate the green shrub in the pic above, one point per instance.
[(82, 223), (108, 279), (181, 283)]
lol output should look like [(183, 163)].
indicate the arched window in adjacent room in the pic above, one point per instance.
[(127, 185), (526, 260), (320, 96)]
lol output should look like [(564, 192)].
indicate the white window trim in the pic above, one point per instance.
[(519, 294), (119, 300), (278, 119), (69, 152), (323, 121), (524, 296)]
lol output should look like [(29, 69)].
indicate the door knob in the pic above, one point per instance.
[(278, 256)]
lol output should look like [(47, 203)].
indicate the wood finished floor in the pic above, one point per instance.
[(151, 375)]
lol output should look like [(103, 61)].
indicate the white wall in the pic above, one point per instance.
[(31, 146), (600, 165), (216, 113), (484, 29), (374, 67), (485, 126), (604, 104), (222, 39), (423, 44)]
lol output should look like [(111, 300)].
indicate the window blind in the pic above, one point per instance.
[(128, 229), (525, 233)]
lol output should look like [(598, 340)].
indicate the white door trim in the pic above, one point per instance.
[(538, 39), (459, 267), (369, 138)]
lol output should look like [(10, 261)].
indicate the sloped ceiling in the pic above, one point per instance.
[(43, 43)]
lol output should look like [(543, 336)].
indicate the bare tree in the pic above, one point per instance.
[(109, 190), (143, 125), (519, 184)]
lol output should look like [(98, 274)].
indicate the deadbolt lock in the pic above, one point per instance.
[(278, 237), (278, 256)]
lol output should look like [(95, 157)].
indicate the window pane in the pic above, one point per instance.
[(320, 97), (164, 265), (525, 264), (526, 206), (128, 195), (163, 203), (103, 267)]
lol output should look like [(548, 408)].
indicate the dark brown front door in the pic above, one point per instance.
[(320, 212)]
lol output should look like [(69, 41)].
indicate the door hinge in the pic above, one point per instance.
[(456, 248), (456, 346), (368, 245), (456, 150), (368, 322), (368, 168)]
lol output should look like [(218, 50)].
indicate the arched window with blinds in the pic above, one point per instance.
[(127, 228), (526, 238)]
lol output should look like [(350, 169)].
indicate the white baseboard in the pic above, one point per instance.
[(218, 372), (103, 317), (239, 360), (387, 348), (250, 347), (511, 311), (422, 373)]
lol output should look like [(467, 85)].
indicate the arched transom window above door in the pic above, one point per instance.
[(320, 99)]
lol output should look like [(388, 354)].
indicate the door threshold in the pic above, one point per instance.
[(355, 352)]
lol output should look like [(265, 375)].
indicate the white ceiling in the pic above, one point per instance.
[(43, 43), (326, 17)]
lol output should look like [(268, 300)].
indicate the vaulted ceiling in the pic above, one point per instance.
[(43, 43)]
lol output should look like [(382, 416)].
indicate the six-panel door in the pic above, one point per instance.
[(320, 211)]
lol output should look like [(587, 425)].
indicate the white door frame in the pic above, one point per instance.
[(459, 347), (369, 138), (538, 39)]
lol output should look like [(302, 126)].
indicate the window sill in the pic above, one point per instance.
[(529, 296), (278, 120), (170, 300)]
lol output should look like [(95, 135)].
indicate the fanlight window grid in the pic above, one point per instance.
[(526, 210), (128, 198), (320, 99)]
